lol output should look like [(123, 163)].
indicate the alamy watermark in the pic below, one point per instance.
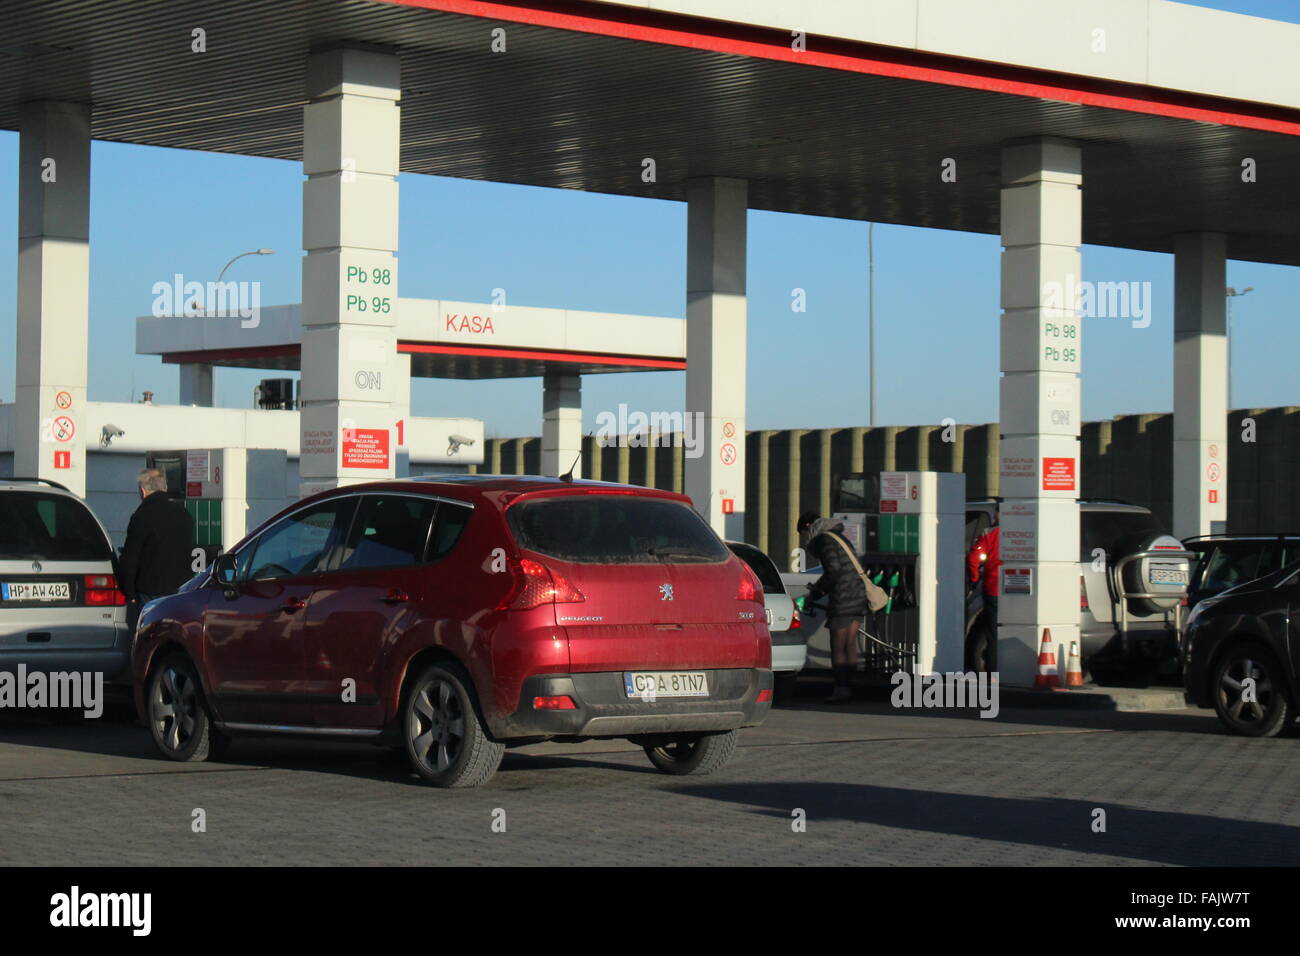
[(1101, 300), (214, 300), (55, 690), (947, 690), (637, 429)]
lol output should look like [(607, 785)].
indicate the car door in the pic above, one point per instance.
[(363, 605), (253, 635)]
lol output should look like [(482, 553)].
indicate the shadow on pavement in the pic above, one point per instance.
[(1181, 839)]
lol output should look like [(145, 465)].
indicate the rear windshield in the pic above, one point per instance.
[(614, 529), (1114, 531), (43, 527)]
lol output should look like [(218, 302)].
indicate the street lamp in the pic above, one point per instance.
[(1230, 293), (262, 252), (222, 273)]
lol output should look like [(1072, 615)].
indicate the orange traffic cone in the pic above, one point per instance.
[(1073, 667), (1047, 678)]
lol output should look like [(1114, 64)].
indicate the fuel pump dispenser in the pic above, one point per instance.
[(923, 515), (227, 491), (909, 528)]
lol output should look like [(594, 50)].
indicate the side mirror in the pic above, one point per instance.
[(225, 571)]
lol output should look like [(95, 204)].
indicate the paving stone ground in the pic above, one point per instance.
[(876, 786)]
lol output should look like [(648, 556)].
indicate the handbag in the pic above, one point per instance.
[(876, 597)]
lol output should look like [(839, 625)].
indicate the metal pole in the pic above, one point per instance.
[(871, 321), (1230, 297)]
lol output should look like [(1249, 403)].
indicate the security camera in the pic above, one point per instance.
[(108, 433), (456, 442)]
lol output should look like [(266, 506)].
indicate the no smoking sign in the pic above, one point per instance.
[(727, 453)]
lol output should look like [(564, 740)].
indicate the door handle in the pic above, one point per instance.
[(395, 596), (293, 604)]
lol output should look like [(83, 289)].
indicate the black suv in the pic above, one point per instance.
[(1240, 651), (1225, 560)]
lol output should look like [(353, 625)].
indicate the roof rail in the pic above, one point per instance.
[(1268, 535), (44, 481)]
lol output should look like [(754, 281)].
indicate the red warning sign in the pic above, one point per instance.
[(63, 459), (1214, 496), (365, 448), (728, 506), (1058, 474), (727, 453)]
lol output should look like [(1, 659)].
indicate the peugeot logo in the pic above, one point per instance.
[(665, 592)]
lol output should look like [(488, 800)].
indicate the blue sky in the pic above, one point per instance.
[(157, 212)]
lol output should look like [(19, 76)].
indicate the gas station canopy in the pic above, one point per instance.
[(585, 92), (444, 340)]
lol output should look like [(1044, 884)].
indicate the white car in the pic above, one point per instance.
[(789, 648), (60, 605)]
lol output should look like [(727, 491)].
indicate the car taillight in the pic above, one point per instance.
[(101, 590), (750, 588), (794, 620), (1083, 594), (536, 584), (563, 702)]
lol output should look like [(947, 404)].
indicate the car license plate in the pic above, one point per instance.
[(38, 591), (654, 684), (1168, 576)]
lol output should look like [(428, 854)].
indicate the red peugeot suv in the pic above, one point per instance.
[(458, 615)]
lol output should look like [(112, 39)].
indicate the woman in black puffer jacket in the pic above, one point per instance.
[(847, 605)]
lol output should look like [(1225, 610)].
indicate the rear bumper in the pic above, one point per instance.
[(789, 657), (112, 662), (605, 710)]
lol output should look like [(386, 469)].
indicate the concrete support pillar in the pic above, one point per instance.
[(715, 348), (561, 423), (1042, 204), (351, 383), (1200, 385), (197, 385), (53, 292)]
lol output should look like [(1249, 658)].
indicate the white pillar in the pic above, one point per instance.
[(196, 385), (53, 292), (561, 423), (352, 386), (1200, 385), (1039, 400), (715, 350)]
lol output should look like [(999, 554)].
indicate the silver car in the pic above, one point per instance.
[(789, 646), (60, 605)]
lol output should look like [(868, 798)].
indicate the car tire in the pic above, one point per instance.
[(179, 720), (444, 736), (1271, 711), (783, 684), (698, 754)]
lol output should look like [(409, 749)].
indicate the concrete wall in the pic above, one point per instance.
[(1129, 457)]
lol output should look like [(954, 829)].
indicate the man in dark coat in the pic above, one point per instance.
[(848, 600), (159, 540)]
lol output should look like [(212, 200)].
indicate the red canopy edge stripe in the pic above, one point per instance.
[(856, 57), (575, 358), (208, 356)]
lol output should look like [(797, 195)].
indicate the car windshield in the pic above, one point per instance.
[(47, 527), (614, 529), (1114, 531)]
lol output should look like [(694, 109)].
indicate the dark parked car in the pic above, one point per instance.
[(454, 616), (1225, 560), (1240, 651)]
